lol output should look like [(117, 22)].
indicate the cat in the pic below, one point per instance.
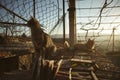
[(44, 50), (42, 42)]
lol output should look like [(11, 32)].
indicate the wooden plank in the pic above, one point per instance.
[(96, 67), (78, 73), (94, 76), (58, 66), (82, 61), (70, 74), (78, 69), (64, 77)]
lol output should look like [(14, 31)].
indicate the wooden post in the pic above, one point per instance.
[(63, 21), (34, 6), (70, 74), (113, 39), (6, 32), (72, 22)]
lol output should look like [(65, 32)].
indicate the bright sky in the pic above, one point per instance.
[(110, 16), (85, 18), (106, 22)]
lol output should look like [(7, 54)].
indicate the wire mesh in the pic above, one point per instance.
[(46, 11)]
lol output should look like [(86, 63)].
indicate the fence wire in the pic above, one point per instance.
[(15, 13)]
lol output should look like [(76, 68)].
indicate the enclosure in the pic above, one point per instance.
[(74, 21)]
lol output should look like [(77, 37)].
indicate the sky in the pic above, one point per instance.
[(87, 17), (95, 12), (47, 14)]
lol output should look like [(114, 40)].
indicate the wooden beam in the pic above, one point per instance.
[(63, 21), (58, 67), (72, 22), (83, 61), (94, 77), (99, 7), (10, 23), (34, 8), (78, 69)]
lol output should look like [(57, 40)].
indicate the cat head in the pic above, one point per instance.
[(90, 43), (33, 22)]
